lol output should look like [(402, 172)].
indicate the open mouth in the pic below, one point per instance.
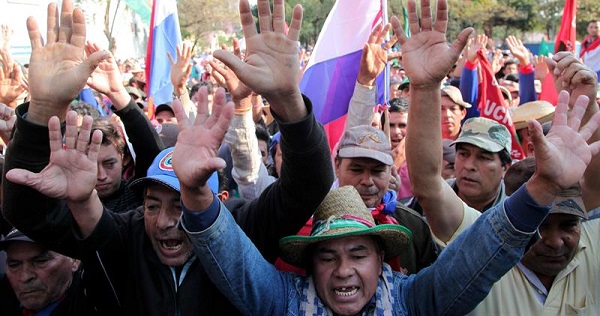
[(171, 244), (346, 291)]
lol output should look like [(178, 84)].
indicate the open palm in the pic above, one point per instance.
[(195, 154), (428, 50), (62, 60), (563, 155), (106, 78), (271, 64), (72, 171)]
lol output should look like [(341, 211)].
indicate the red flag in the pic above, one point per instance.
[(491, 104), (548, 90), (565, 40)]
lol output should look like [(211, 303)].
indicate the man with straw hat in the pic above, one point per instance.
[(540, 110), (345, 252)]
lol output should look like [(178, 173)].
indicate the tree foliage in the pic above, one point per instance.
[(587, 10), (198, 18), (495, 18), (315, 13)]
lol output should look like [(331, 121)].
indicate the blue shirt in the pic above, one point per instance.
[(461, 277)]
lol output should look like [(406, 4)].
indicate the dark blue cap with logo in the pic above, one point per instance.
[(161, 172)]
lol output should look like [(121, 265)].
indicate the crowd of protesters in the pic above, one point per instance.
[(228, 200)]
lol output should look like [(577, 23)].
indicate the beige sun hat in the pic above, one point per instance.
[(454, 94), (365, 141), (343, 213), (541, 111)]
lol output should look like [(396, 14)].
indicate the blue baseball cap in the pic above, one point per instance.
[(161, 172)]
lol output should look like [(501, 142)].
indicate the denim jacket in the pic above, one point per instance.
[(460, 278)]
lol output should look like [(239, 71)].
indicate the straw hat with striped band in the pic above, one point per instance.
[(343, 213)]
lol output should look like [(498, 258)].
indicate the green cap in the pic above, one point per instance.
[(486, 134)]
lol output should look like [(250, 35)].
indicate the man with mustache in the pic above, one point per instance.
[(454, 110), (364, 161), (147, 265)]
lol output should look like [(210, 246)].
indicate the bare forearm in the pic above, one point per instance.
[(444, 210), (423, 140)]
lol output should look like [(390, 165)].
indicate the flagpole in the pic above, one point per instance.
[(386, 76), (386, 81)]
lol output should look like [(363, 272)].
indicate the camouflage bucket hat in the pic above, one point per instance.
[(486, 134)]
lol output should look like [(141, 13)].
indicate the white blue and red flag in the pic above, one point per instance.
[(332, 70), (164, 38), (590, 53)]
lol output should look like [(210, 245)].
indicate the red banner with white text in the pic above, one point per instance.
[(492, 106)]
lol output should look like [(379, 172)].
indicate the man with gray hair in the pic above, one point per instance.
[(39, 281), (364, 161)]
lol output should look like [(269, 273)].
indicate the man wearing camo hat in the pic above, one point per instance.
[(482, 156)]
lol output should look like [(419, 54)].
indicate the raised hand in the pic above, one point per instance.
[(7, 122), (540, 66), (518, 50), (374, 55), (426, 54), (5, 56), (195, 155), (236, 52), (497, 61), (239, 91), (72, 171), (473, 47), (563, 155), (62, 60), (11, 86), (5, 35), (572, 75), (107, 78), (395, 181), (181, 69), (271, 67)]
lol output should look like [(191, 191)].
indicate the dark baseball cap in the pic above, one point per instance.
[(569, 201), (14, 235)]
